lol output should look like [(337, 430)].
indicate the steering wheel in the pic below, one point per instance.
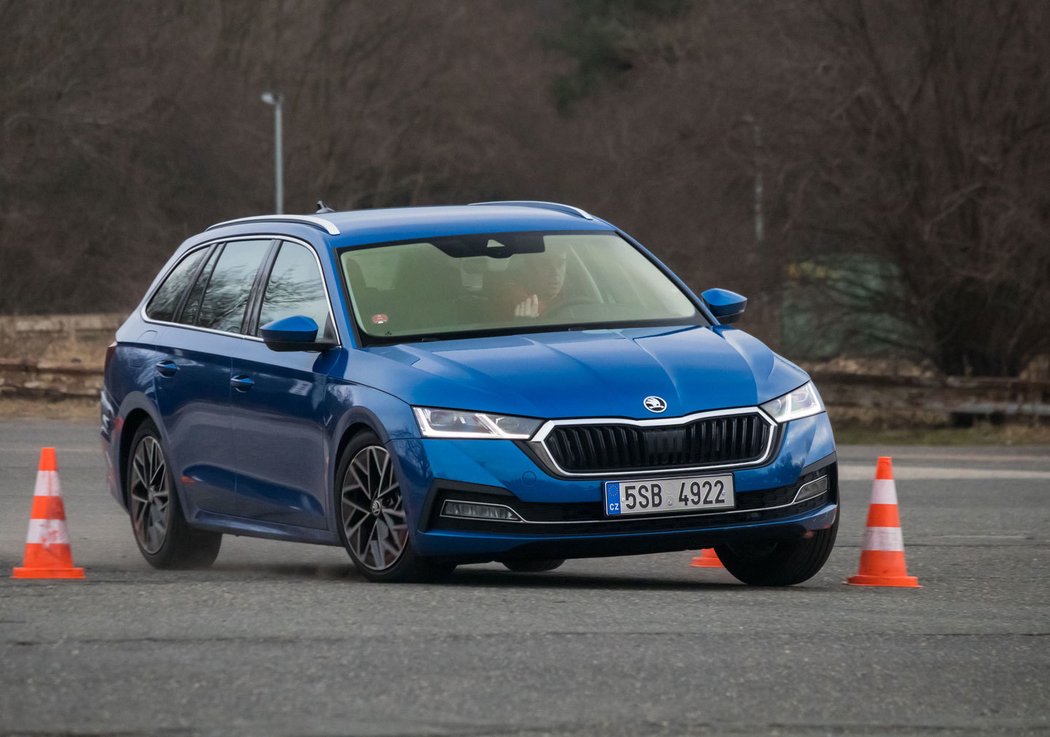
[(560, 307)]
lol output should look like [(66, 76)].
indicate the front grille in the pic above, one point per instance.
[(618, 448)]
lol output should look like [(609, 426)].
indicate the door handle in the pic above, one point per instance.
[(242, 383), (167, 368)]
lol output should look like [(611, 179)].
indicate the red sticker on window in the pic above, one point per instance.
[(379, 318)]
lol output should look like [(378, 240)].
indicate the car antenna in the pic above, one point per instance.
[(322, 208)]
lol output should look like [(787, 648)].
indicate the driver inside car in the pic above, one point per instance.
[(539, 287)]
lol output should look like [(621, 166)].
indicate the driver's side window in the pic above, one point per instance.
[(296, 287)]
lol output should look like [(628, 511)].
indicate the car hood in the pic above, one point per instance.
[(583, 373)]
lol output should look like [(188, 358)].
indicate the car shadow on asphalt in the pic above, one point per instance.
[(468, 576), (553, 580)]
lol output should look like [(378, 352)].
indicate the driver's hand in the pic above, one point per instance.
[(528, 307)]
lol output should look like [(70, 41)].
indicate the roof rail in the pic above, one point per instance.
[(556, 206), (321, 223)]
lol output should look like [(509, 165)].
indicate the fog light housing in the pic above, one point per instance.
[(479, 510), (812, 489)]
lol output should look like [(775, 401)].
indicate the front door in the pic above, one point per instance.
[(278, 402)]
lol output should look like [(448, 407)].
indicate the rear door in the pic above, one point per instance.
[(192, 373), (278, 401)]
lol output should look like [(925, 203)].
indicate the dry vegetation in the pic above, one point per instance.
[(897, 152)]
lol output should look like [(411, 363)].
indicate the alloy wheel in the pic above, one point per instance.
[(150, 495), (373, 514)]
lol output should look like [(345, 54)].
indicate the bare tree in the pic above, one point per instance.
[(129, 126), (923, 192), (892, 156)]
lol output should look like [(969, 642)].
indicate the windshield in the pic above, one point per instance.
[(508, 282)]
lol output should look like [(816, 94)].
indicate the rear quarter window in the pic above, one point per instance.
[(166, 299)]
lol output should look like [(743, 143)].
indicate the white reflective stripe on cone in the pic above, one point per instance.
[(884, 491), (47, 484), (47, 532), (883, 538)]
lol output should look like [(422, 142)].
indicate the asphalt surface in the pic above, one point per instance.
[(286, 639)]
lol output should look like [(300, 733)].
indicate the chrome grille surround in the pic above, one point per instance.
[(538, 443)]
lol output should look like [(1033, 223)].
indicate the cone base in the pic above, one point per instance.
[(708, 558), (47, 573), (901, 582), (699, 562)]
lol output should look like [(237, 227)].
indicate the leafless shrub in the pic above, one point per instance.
[(750, 144)]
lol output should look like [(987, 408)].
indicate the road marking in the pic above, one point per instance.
[(971, 458), (1018, 536), (866, 472), (36, 449)]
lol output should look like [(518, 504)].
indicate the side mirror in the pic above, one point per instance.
[(295, 333), (725, 305)]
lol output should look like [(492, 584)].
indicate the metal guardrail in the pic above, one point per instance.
[(960, 399), (22, 378), (956, 399), (23, 337)]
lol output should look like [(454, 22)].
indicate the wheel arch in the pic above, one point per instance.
[(359, 408), (351, 432), (355, 422), (131, 425)]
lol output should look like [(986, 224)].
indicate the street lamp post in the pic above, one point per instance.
[(759, 217), (275, 99), (770, 296)]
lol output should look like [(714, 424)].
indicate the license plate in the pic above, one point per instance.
[(664, 496)]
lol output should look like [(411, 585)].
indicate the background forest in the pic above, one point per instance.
[(874, 175)]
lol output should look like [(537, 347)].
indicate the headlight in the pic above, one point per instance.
[(801, 402), (454, 423)]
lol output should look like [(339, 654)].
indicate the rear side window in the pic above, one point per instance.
[(192, 306), (226, 294), (296, 287), (166, 299)]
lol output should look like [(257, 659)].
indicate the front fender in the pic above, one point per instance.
[(352, 407)]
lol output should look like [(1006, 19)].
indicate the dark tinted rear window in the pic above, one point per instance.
[(226, 296), (166, 299), (193, 301)]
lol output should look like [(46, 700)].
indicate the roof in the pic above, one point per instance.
[(357, 227)]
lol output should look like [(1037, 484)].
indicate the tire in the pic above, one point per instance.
[(779, 563), (373, 525), (161, 532), (533, 566)]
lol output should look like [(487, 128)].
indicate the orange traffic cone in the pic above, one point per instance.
[(882, 555), (47, 545), (708, 558)]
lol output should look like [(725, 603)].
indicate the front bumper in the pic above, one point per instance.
[(564, 518)]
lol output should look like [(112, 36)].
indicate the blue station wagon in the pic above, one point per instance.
[(519, 382)]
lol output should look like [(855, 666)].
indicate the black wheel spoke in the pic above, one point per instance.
[(394, 519), (350, 507), (354, 475), (140, 514), (390, 487)]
